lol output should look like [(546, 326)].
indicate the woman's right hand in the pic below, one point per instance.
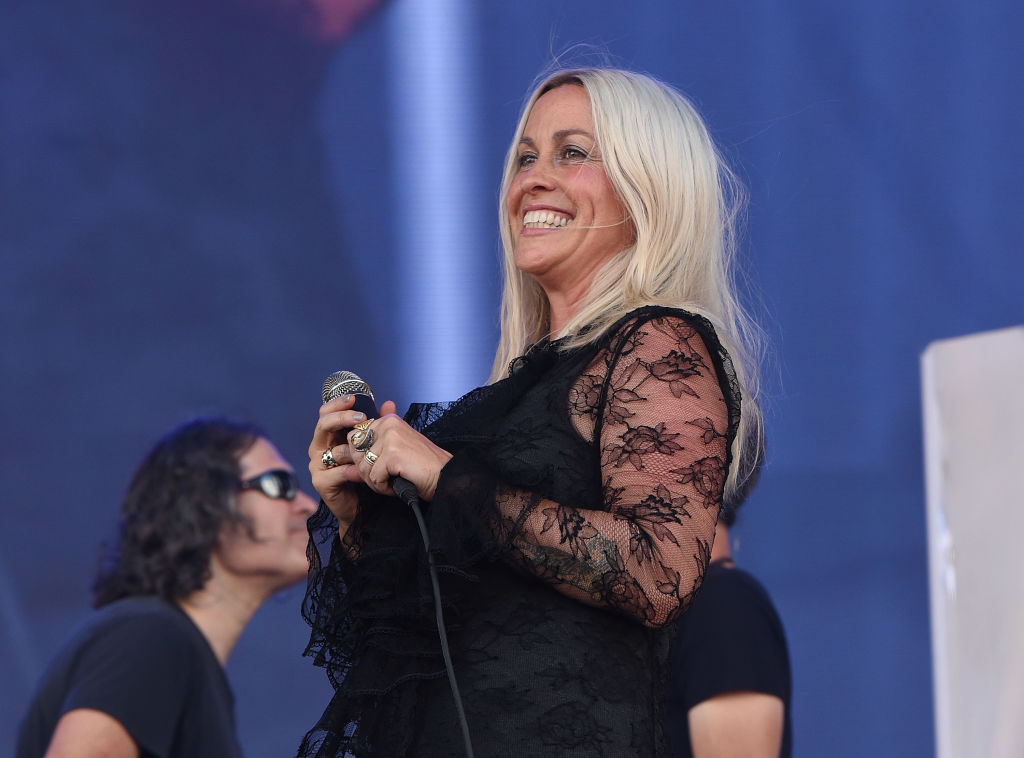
[(336, 484)]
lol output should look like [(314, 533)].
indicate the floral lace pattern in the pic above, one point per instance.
[(662, 437), (572, 525)]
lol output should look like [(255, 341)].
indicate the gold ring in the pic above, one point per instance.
[(362, 440)]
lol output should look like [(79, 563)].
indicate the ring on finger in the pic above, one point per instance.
[(328, 459), (371, 457), (359, 430), (362, 440)]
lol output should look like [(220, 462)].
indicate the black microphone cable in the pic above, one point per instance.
[(439, 615), (346, 383)]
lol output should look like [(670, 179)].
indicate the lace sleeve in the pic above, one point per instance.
[(653, 407)]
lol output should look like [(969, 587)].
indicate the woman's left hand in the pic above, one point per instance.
[(399, 450)]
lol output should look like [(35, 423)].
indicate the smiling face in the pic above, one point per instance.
[(566, 221), (271, 553)]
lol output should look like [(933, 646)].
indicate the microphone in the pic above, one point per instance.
[(346, 383)]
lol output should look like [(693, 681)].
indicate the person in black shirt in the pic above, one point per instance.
[(730, 686), (212, 525)]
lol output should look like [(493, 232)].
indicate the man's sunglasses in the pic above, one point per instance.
[(278, 484)]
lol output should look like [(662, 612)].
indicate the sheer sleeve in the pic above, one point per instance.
[(654, 410)]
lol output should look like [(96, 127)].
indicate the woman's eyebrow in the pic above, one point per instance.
[(560, 135), (563, 133)]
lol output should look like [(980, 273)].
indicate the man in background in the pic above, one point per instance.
[(730, 686), (212, 525)]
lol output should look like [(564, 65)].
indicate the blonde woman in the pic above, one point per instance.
[(572, 502)]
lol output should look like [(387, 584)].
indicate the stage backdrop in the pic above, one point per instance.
[(207, 208)]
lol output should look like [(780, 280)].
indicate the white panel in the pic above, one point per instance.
[(973, 394)]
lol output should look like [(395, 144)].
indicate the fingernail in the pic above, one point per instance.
[(358, 417), (346, 398)]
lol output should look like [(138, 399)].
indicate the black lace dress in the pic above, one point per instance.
[(572, 525)]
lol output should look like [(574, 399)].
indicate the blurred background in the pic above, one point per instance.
[(210, 205)]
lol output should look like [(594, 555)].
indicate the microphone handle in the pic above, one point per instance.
[(405, 489)]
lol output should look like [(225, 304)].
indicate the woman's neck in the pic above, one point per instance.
[(563, 306)]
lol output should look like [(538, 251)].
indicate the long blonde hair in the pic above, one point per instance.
[(684, 203)]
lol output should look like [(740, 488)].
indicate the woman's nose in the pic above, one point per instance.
[(541, 176)]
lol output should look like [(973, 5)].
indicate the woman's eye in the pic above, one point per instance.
[(573, 153), (526, 159)]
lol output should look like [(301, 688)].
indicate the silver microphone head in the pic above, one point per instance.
[(344, 383)]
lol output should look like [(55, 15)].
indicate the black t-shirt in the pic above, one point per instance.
[(730, 640), (143, 662)]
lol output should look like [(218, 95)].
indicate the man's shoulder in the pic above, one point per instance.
[(730, 595), (140, 621)]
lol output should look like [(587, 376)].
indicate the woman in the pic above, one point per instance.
[(572, 501)]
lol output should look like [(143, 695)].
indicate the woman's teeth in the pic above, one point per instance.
[(544, 220)]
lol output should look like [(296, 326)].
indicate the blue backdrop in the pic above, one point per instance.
[(202, 210)]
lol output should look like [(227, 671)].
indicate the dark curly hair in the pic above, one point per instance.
[(181, 495)]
